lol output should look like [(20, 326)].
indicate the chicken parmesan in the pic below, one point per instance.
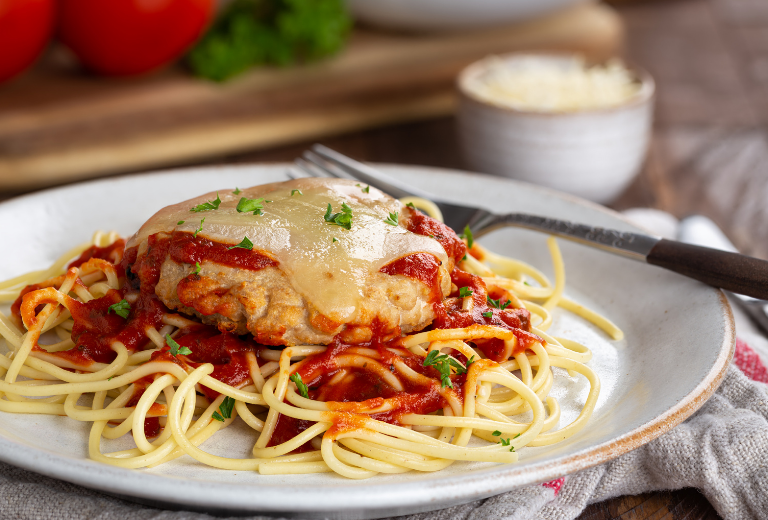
[(351, 332), (303, 278)]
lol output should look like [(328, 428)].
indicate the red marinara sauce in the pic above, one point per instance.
[(363, 388), (188, 249), (96, 327), (112, 253), (423, 267), (421, 224), (144, 270), (225, 351), (450, 314)]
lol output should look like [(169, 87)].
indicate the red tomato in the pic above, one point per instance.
[(124, 37), (25, 26)]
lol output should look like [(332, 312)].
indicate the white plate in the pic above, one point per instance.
[(679, 339)]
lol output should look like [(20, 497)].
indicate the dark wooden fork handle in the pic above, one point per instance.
[(731, 271)]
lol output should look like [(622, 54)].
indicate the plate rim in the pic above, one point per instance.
[(89, 473)]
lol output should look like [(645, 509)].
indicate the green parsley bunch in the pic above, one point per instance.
[(270, 32)]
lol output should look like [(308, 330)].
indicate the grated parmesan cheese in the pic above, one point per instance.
[(553, 84)]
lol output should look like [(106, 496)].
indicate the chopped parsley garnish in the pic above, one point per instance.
[(468, 235), (110, 378), (247, 205), (225, 409), (122, 309), (470, 361), (497, 303), (342, 219), (237, 191), (367, 189), (334, 239), (465, 291), (410, 205), (294, 192), (443, 364), (464, 258), (180, 222), (245, 244), (392, 219), (176, 349), (303, 390), (488, 314), (505, 442), (198, 230), (526, 283), (197, 268), (516, 436), (208, 206)]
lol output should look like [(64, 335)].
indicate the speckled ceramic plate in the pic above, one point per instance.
[(679, 339)]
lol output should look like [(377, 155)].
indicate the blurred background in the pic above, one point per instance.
[(91, 89), (137, 85)]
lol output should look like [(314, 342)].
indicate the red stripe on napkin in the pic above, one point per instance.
[(555, 485), (749, 362)]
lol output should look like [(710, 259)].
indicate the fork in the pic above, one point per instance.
[(731, 271)]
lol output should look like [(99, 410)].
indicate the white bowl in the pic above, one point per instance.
[(592, 153), (449, 15)]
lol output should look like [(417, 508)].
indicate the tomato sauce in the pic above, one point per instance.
[(450, 314), (112, 253), (286, 429), (188, 249), (423, 267), (152, 427), (225, 351), (16, 305), (363, 389), (144, 273), (346, 422), (421, 224), (96, 327)]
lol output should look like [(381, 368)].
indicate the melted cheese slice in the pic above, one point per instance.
[(292, 229)]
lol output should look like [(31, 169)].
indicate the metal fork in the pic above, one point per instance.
[(732, 271)]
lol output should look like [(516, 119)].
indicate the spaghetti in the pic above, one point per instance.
[(390, 403)]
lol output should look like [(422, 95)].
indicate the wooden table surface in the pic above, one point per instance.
[(709, 153)]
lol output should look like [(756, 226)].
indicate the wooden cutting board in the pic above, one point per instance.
[(59, 124)]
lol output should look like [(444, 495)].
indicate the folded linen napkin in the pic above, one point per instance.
[(722, 450)]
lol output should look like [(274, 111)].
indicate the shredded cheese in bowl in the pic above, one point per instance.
[(553, 83)]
